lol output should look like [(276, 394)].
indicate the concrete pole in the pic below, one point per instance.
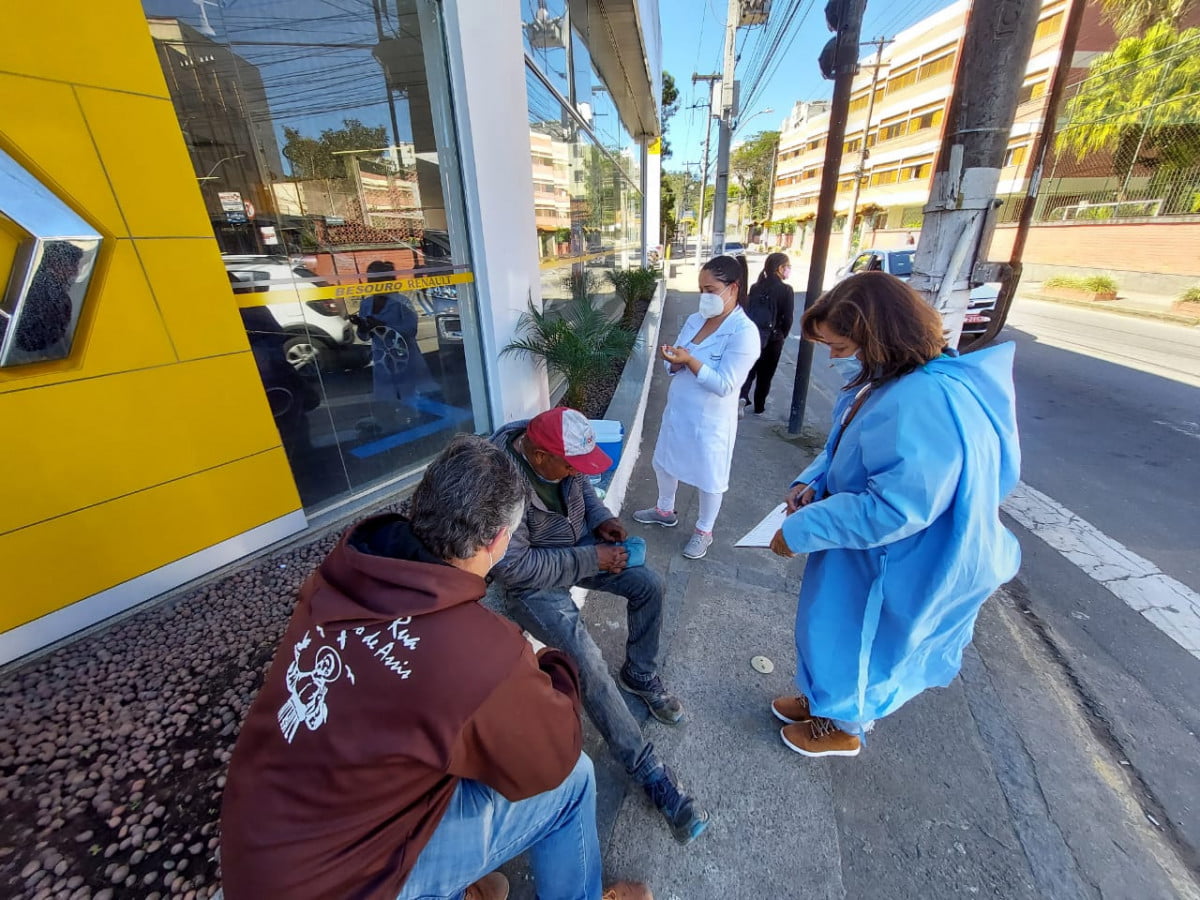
[(846, 65), (863, 151), (991, 66), (725, 127), (712, 80)]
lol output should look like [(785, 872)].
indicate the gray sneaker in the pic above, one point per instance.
[(652, 516), (697, 545)]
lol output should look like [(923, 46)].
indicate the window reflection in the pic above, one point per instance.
[(313, 133)]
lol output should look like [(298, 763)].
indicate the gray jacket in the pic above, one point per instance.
[(550, 550)]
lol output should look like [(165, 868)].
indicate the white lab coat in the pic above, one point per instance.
[(699, 425)]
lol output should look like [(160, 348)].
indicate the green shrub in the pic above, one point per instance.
[(575, 340), (632, 286), (1191, 295), (1097, 284)]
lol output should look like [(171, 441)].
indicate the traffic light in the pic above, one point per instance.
[(836, 13)]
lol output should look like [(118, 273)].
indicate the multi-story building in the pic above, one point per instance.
[(190, 196), (892, 154)]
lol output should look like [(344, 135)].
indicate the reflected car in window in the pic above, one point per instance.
[(320, 332)]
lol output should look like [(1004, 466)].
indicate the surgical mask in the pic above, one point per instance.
[(849, 367), (711, 305)]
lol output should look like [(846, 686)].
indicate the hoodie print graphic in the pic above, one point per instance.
[(309, 687)]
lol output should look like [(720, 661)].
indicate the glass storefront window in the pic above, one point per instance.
[(321, 142), (547, 30), (587, 210)]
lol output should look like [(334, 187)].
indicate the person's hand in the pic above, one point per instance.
[(779, 546), (800, 495), (676, 356), (611, 530), (612, 558)]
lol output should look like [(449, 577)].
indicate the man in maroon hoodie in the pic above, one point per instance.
[(406, 741)]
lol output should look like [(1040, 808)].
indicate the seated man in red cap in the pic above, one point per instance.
[(567, 538)]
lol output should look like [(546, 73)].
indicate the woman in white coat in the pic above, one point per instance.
[(711, 359)]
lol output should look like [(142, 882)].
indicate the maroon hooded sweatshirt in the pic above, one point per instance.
[(390, 684)]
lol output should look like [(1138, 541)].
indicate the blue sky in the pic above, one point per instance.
[(693, 41)]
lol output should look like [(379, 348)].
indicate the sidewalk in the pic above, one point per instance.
[(1128, 303)]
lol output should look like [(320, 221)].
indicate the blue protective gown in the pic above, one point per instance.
[(905, 542)]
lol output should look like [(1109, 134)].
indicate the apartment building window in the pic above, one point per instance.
[(928, 119), (918, 171), (892, 128), (936, 67), (852, 146), (1016, 156), (1034, 90), (902, 80), (860, 103), (886, 176), (1049, 26)]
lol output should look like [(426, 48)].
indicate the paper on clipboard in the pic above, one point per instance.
[(760, 535)]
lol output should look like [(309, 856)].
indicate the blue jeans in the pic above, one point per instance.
[(551, 616), (481, 831)]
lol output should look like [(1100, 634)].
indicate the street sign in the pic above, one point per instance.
[(233, 207)]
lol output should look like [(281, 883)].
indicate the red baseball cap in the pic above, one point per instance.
[(567, 433)]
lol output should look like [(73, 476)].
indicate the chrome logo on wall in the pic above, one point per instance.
[(48, 283)]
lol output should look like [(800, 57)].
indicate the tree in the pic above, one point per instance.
[(1130, 18), (670, 106), (666, 215), (1138, 105), (315, 157), (751, 166)]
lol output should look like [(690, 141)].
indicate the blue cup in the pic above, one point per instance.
[(636, 548)]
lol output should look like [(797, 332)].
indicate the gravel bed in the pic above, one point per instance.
[(113, 748)]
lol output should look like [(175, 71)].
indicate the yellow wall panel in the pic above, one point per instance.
[(120, 329), (193, 293), (100, 43), (44, 127), (84, 442), (51, 565), (143, 152)]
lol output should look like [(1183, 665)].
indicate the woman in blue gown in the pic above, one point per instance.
[(899, 514)]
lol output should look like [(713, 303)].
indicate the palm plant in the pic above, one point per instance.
[(632, 286), (575, 340)]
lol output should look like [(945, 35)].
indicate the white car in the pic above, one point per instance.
[(900, 264), (320, 330)]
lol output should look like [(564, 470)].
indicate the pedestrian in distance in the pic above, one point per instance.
[(406, 741), (708, 363), (899, 514), (568, 538), (771, 305)]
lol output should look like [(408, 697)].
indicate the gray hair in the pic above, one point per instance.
[(469, 493)]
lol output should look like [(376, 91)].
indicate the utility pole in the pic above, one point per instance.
[(846, 20), (958, 218), (741, 13), (1011, 278), (713, 81), (863, 151)]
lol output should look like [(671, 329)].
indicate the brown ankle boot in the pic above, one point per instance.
[(791, 710), (628, 890), (820, 737), (489, 887)]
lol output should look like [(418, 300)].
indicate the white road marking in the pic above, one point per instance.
[(1191, 429), (1169, 604)]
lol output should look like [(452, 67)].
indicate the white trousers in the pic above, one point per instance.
[(710, 504)]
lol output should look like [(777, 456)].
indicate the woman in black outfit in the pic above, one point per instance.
[(772, 303)]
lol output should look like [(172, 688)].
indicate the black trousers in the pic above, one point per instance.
[(761, 374)]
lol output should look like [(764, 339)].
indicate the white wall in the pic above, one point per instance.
[(487, 70)]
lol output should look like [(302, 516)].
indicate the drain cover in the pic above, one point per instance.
[(763, 664)]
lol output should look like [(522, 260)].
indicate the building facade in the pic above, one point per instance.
[(311, 230), (892, 152)]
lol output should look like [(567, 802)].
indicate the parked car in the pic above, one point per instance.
[(900, 264), (734, 248), (320, 330)]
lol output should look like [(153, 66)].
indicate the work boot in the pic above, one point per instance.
[(656, 516), (627, 890), (791, 710), (663, 705), (820, 737), (686, 818), (489, 887)]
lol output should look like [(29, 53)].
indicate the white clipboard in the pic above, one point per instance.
[(760, 535)]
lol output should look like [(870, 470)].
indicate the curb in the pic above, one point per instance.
[(1136, 312)]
